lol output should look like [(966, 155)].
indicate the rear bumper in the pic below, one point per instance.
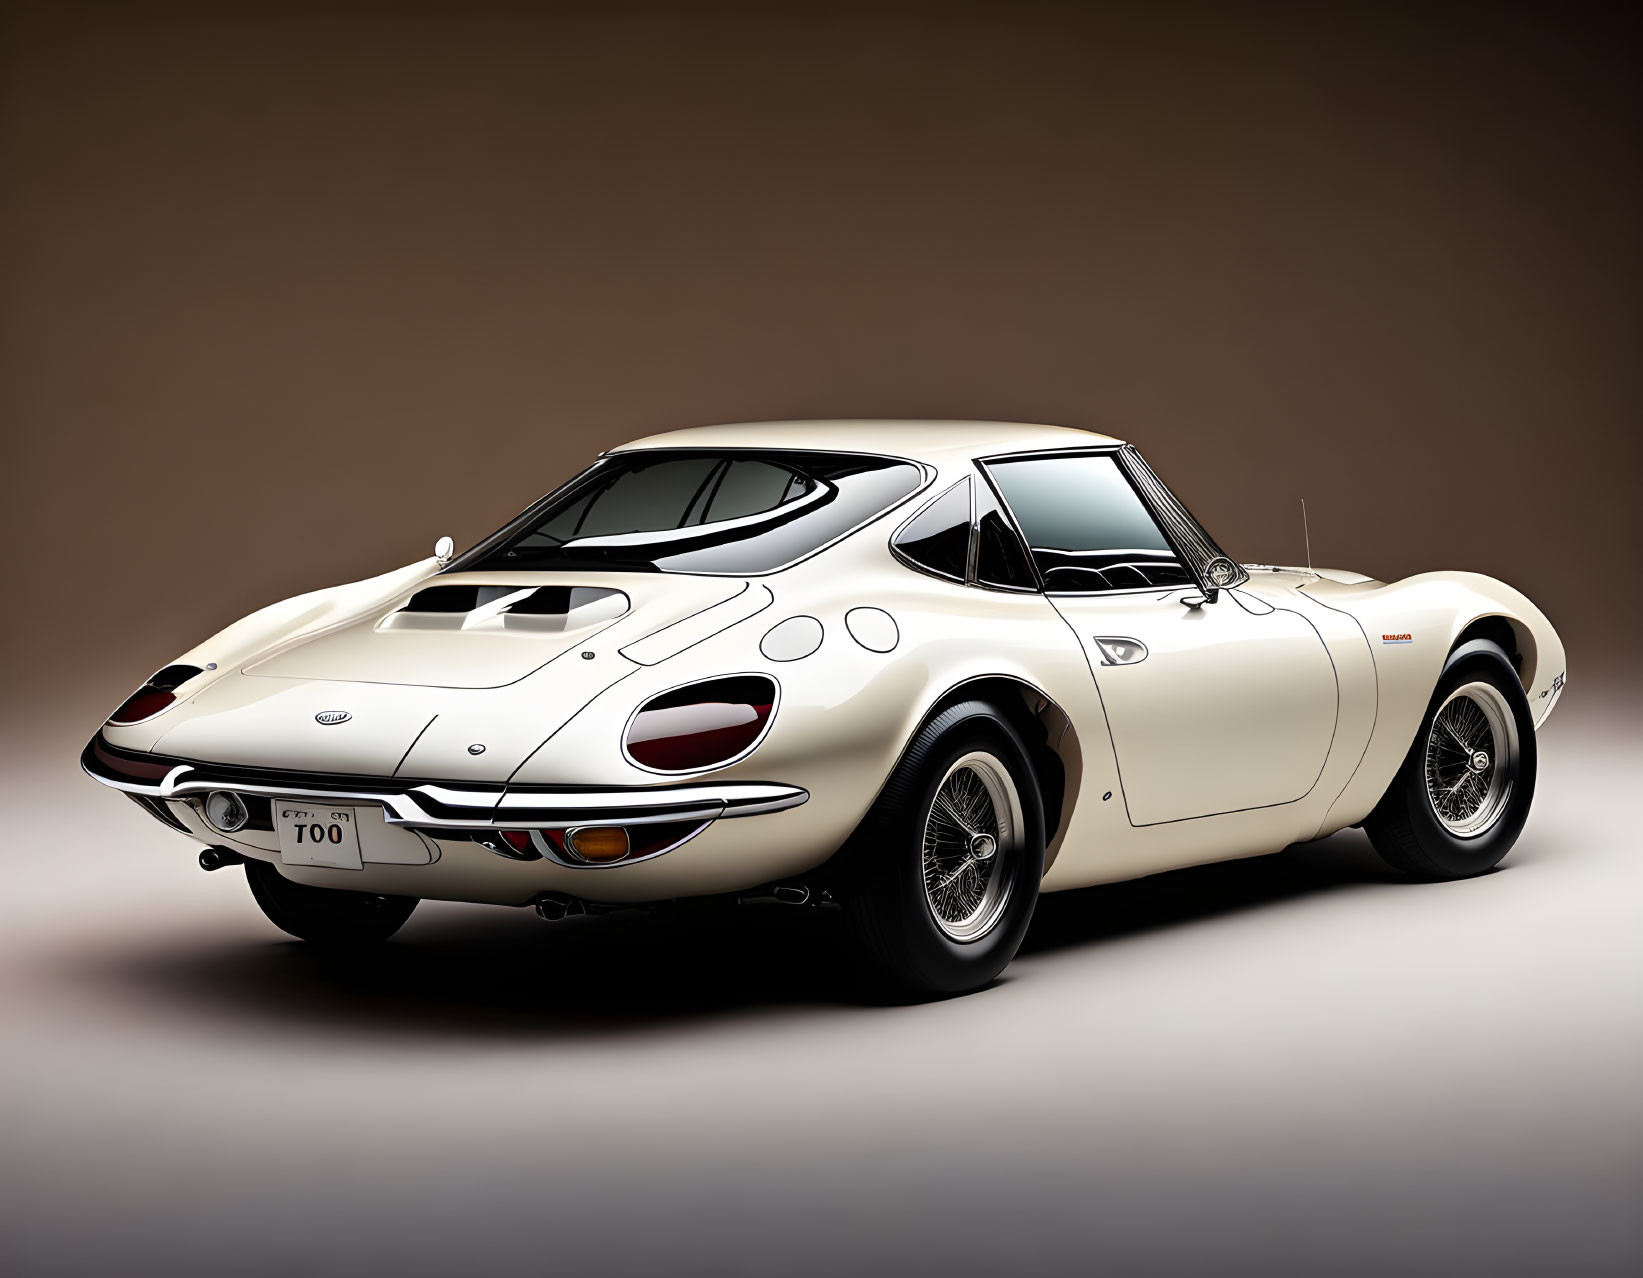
[(443, 805)]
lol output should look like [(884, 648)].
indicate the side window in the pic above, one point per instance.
[(1001, 560), (752, 487), (937, 539), (642, 499), (1087, 528)]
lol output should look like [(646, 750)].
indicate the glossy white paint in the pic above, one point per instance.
[(873, 628), (793, 639), (1274, 714), (1227, 710)]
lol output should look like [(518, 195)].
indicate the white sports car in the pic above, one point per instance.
[(918, 672)]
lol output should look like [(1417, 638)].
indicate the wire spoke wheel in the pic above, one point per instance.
[(1471, 760), (972, 838)]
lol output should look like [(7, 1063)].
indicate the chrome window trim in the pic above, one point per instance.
[(1118, 453), (1009, 517), (972, 552), (926, 470), (969, 551), (1155, 494)]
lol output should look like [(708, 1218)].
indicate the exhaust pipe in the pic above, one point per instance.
[(778, 894), (217, 858), (554, 906)]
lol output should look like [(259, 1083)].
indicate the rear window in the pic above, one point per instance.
[(696, 511)]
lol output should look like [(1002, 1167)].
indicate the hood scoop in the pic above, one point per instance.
[(536, 610)]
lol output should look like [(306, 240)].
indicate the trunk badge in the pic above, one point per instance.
[(329, 717)]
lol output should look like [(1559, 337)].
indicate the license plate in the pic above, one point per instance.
[(317, 835)]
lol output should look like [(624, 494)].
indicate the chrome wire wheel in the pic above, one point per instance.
[(972, 839), (1471, 760)]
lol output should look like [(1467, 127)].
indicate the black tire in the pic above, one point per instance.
[(1406, 828), (326, 916), (908, 954)]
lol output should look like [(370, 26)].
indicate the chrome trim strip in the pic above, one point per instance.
[(433, 805)]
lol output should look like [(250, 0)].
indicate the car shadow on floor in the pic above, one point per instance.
[(478, 971)]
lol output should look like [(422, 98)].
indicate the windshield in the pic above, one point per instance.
[(691, 510)]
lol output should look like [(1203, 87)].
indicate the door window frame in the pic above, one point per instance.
[(1120, 453)]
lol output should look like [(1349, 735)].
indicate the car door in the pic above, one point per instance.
[(1214, 706)]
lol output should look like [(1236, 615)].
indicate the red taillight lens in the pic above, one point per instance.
[(155, 695), (518, 840), (145, 703), (701, 724)]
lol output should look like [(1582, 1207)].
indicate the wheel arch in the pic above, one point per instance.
[(1512, 636), (1045, 728)]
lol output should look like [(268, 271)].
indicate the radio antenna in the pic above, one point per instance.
[(1307, 533)]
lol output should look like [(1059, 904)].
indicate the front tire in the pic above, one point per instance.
[(326, 916), (943, 873), (1461, 797)]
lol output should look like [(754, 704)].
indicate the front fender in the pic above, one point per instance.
[(1412, 626)]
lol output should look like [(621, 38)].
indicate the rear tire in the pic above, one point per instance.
[(1461, 797), (943, 873), (326, 916)]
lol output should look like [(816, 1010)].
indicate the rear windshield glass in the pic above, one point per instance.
[(697, 511)]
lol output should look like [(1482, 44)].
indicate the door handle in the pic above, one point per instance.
[(1117, 650)]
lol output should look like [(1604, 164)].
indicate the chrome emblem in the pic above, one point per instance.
[(329, 717)]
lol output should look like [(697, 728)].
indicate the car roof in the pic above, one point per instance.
[(920, 440)]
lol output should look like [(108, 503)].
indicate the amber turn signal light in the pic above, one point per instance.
[(599, 844)]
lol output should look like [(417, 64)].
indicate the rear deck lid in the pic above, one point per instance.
[(487, 630)]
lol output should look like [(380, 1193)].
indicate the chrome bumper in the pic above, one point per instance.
[(444, 805)]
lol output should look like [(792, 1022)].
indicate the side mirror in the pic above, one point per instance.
[(444, 550), (1219, 573)]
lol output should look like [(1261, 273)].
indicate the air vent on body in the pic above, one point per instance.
[(536, 609), (446, 599), (172, 677)]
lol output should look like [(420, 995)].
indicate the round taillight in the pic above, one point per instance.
[(145, 703), (701, 725)]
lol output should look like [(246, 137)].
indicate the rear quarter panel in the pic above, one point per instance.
[(846, 713)]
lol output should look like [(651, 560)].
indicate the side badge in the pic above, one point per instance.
[(1397, 638), (328, 717)]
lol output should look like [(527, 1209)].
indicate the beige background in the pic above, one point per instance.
[(287, 291), (290, 291)]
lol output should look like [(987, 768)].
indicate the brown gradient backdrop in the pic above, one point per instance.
[(289, 293)]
